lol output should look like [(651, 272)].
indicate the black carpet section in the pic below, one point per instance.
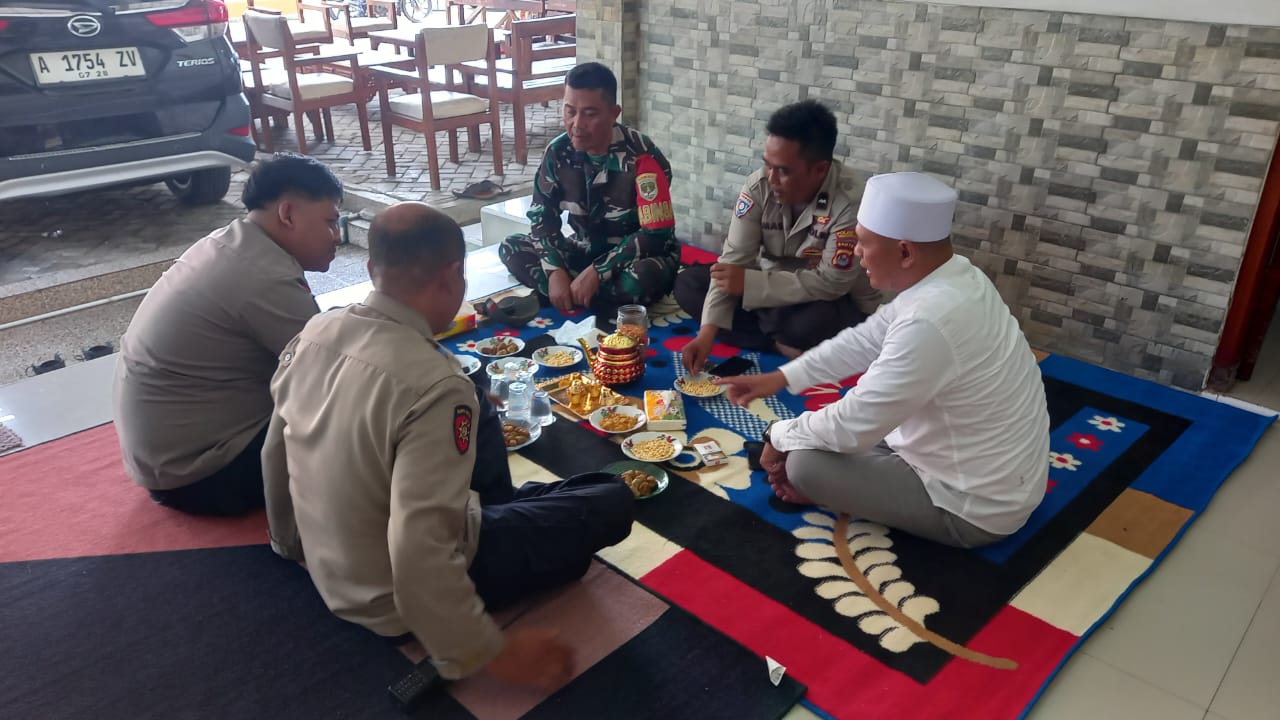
[(675, 668), (222, 633)]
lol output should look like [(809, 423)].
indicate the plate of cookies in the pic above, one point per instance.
[(499, 346), (644, 479), (520, 433)]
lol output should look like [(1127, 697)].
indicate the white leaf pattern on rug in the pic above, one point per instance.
[(869, 544), (667, 312)]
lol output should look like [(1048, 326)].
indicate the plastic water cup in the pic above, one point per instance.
[(541, 408)]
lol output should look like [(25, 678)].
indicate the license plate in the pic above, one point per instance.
[(52, 68)]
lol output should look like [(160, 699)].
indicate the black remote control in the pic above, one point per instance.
[(413, 688)]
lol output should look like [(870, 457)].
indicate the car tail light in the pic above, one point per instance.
[(199, 20), (241, 131), (3, 24)]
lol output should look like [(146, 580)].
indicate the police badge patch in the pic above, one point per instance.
[(647, 184), (462, 429), (744, 205)]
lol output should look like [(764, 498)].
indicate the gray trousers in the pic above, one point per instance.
[(880, 487)]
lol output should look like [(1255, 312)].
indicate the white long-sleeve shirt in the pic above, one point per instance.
[(950, 384)]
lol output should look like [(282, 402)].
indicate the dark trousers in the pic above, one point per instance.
[(234, 490), (541, 535), (799, 326)]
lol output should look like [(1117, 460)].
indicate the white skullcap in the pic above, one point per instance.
[(908, 206)]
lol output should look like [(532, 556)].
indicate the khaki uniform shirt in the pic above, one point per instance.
[(792, 260), (192, 382), (367, 469)]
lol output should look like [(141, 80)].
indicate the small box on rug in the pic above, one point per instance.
[(465, 320), (710, 452), (665, 409)]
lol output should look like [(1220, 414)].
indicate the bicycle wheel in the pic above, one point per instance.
[(414, 10)]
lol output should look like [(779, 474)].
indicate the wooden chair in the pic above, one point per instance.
[(441, 106), (312, 29), (383, 16), (301, 92), (532, 74)]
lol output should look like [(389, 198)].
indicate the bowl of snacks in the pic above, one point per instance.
[(498, 367), (651, 447), (614, 419), (557, 356), (500, 346), (644, 479), (469, 363), (699, 386), (519, 433)]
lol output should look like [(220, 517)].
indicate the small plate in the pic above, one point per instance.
[(540, 356), (647, 468), (489, 343), (680, 385), (629, 444), (535, 432), (469, 363), (497, 367), (597, 418)]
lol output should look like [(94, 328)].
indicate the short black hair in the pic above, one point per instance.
[(809, 123), (287, 172), (418, 238), (594, 76)]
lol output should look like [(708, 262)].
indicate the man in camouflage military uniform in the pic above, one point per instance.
[(787, 278), (615, 185)]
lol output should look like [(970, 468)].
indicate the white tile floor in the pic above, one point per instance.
[(1200, 638)]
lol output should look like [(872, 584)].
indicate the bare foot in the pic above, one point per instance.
[(787, 493)]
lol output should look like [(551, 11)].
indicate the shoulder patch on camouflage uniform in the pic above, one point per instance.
[(744, 205), (462, 429)]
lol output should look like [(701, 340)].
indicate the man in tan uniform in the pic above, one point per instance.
[(191, 398), (787, 278), (370, 475)]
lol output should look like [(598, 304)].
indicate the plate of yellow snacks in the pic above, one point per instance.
[(651, 447), (614, 419), (699, 385), (499, 346), (557, 356), (644, 479)]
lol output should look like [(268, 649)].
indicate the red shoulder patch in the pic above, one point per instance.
[(462, 429)]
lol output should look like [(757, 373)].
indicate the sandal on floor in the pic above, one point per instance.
[(483, 190)]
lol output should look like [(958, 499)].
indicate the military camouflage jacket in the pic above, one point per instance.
[(601, 201)]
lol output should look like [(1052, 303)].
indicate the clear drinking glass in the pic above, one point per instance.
[(541, 408), (519, 397), (500, 389)]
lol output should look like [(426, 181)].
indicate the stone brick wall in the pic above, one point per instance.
[(1109, 168)]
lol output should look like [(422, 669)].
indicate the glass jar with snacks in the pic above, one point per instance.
[(633, 321)]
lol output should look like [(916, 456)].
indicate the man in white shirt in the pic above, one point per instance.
[(946, 435)]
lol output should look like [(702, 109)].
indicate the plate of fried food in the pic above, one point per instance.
[(557, 356), (644, 479), (651, 447), (500, 346), (614, 419), (519, 433), (699, 386)]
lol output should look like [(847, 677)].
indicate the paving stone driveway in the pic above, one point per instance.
[(50, 241)]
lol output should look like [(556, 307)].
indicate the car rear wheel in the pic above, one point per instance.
[(202, 187)]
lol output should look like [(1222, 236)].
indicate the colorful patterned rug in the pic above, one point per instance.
[(113, 607), (920, 630)]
